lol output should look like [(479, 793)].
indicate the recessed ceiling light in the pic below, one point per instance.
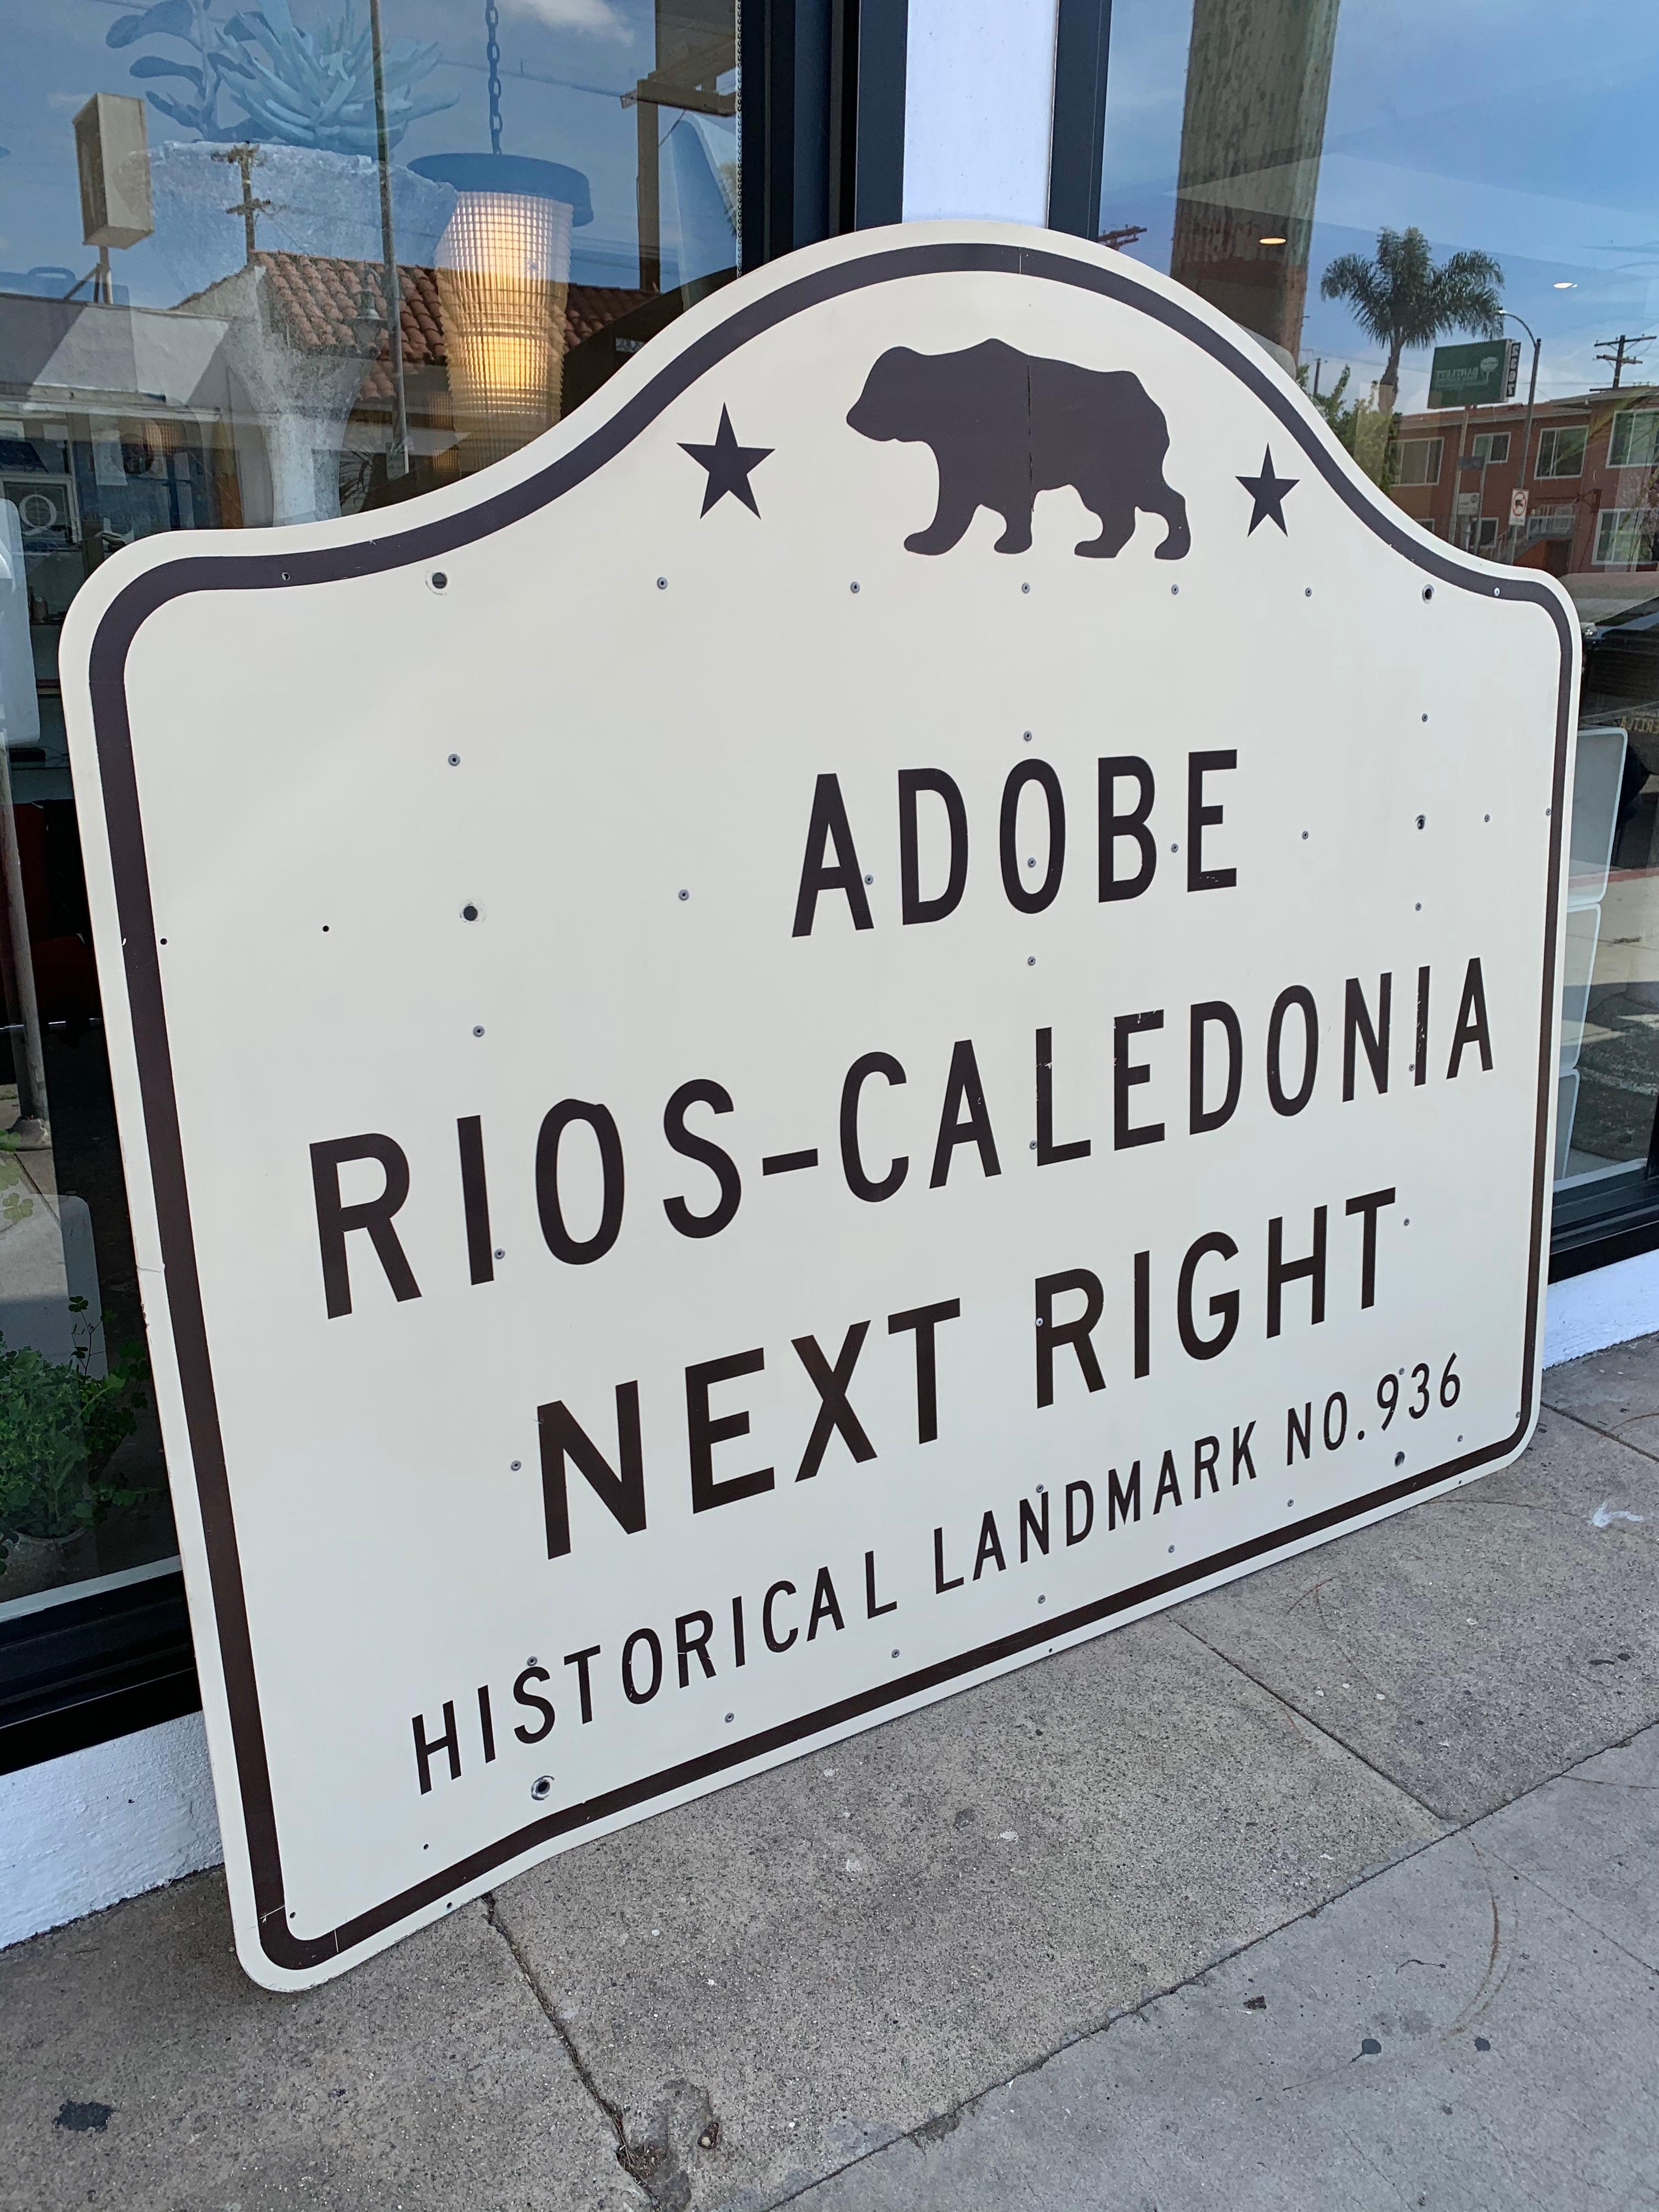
[(1567, 288), (1270, 242)]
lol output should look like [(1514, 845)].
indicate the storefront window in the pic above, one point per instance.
[(1443, 223), (266, 265)]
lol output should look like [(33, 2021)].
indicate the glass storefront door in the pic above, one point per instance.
[(1445, 223), (263, 265)]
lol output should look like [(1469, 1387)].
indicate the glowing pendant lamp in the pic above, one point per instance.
[(503, 272)]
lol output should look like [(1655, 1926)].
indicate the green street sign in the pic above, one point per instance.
[(1470, 375)]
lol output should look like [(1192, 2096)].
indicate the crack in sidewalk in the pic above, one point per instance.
[(612, 2111)]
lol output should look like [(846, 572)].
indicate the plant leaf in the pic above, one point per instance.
[(155, 65), (168, 19)]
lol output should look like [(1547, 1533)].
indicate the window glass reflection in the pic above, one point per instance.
[(266, 265), (1445, 223)]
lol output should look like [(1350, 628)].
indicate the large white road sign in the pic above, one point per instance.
[(888, 1002)]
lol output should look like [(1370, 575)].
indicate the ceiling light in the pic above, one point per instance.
[(1270, 242), (502, 270)]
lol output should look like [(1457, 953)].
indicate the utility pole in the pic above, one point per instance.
[(1516, 528), (397, 460), (1457, 478), (247, 207), (1621, 357)]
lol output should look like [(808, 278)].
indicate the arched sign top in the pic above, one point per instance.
[(888, 1002)]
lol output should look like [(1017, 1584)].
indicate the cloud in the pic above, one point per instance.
[(599, 18)]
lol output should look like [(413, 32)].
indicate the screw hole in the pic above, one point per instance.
[(478, 1030), (1428, 591), (469, 914), (662, 583), (685, 895), (454, 760), (542, 1788), (440, 582), (1025, 588)]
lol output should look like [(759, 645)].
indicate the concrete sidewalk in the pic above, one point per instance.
[(1009, 1949)]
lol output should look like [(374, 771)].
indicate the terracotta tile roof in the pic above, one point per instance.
[(323, 303)]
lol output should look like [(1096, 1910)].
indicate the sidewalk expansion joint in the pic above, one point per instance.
[(1613, 1436), (1322, 1729), (944, 2123)]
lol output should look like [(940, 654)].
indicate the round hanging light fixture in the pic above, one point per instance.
[(503, 274)]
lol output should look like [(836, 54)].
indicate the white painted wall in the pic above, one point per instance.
[(1609, 1305), (80, 1833), (978, 103)]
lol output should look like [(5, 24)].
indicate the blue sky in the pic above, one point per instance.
[(1529, 128), (564, 62)]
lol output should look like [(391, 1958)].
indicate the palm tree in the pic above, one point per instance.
[(1402, 300)]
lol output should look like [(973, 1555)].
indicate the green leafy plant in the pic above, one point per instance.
[(295, 88), (1365, 430), (15, 1202), (1402, 298), (60, 1426)]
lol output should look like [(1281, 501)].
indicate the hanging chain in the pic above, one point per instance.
[(493, 55)]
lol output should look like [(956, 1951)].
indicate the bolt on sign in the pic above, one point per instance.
[(888, 1002)]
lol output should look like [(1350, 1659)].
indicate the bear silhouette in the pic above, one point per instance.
[(1006, 425)]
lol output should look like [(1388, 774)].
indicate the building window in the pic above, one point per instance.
[(1634, 441), (1419, 460), (1626, 537), (1561, 450), (282, 313), (1227, 162)]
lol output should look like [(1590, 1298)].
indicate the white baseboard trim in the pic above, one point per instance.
[(1609, 1305), (82, 1832)]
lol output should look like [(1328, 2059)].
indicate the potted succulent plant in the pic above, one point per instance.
[(60, 1426)]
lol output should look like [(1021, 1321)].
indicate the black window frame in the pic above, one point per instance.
[(822, 89)]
